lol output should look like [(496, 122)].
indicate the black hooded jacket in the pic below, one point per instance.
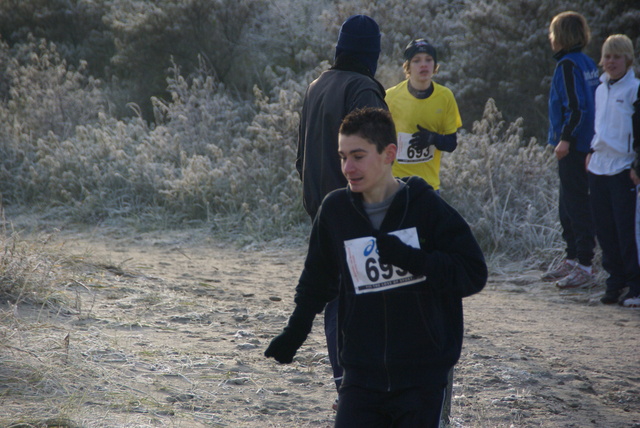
[(345, 87), (405, 336)]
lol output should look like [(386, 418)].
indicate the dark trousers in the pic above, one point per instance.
[(575, 213), (331, 334), (409, 408), (613, 202)]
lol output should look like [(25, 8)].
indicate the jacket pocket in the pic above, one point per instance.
[(418, 327)]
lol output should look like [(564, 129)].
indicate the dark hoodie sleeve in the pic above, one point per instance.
[(318, 283), (454, 262), (301, 138)]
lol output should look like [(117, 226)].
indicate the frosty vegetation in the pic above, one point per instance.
[(178, 113)]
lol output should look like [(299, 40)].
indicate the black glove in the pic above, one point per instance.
[(422, 139), (284, 346), (391, 250)]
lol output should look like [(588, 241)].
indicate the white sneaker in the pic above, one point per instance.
[(561, 270), (632, 302), (578, 278)]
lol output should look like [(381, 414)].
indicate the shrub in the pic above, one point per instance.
[(505, 187), (47, 99), (213, 156), (28, 269)]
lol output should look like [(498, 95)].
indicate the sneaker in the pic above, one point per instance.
[(578, 278), (610, 297), (561, 270), (631, 302)]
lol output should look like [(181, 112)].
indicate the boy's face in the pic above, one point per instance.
[(615, 65), (421, 68), (364, 168)]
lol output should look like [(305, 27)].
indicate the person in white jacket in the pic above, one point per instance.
[(612, 190)]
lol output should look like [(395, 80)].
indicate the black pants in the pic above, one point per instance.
[(331, 334), (575, 212), (409, 408), (613, 202)]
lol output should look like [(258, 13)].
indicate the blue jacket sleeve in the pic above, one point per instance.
[(572, 102)]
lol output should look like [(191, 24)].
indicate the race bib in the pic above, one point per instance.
[(368, 274), (407, 154)]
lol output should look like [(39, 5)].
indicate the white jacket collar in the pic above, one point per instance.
[(629, 75)]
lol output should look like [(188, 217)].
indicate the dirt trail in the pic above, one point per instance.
[(169, 330)]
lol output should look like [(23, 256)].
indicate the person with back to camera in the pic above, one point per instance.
[(425, 114), (348, 85), (611, 177), (400, 260), (571, 117)]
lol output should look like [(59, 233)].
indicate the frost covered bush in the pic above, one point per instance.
[(93, 174), (216, 142), (234, 168), (208, 157), (48, 95), (213, 158), (45, 101), (505, 186)]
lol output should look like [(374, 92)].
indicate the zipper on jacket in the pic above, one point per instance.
[(359, 211), (386, 343)]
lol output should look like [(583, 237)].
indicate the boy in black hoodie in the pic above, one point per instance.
[(404, 260)]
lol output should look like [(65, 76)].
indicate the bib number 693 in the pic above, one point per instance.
[(375, 270)]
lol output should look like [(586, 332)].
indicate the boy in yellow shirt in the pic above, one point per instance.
[(425, 114)]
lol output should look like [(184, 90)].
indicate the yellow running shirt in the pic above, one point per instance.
[(437, 113)]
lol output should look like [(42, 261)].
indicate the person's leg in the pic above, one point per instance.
[(637, 224), (362, 408), (417, 407), (574, 184), (331, 334), (606, 230), (624, 202), (563, 268), (445, 418), (565, 223)]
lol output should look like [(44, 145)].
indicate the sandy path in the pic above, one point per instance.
[(169, 329)]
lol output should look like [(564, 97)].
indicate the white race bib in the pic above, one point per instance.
[(368, 274), (407, 154)]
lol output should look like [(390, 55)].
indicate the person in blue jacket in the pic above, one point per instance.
[(399, 260), (571, 128)]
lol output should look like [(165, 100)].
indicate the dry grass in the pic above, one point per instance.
[(29, 271), (43, 379)]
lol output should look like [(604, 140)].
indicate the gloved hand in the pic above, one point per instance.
[(284, 346), (391, 250), (422, 139)]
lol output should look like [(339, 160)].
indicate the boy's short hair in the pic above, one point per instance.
[(569, 30), (373, 124), (618, 44)]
